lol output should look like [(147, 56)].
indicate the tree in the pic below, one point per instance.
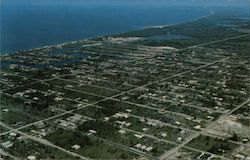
[(123, 156), (234, 137)]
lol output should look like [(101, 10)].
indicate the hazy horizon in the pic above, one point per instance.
[(198, 3)]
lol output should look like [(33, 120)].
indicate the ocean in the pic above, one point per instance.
[(26, 27)]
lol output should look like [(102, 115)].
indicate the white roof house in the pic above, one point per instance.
[(178, 123), (13, 134), (149, 148), (106, 118), (179, 139), (128, 124), (122, 131), (197, 127), (5, 110), (75, 147), (143, 147), (138, 136), (92, 131), (138, 145), (31, 157), (7, 144), (58, 99), (163, 134)]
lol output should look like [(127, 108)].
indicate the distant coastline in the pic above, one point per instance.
[(116, 31), (70, 42), (169, 25)]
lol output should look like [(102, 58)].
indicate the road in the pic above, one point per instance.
[(44, 142), (184, 104), (218, 41), (157, 109), (195, 135), (2, 152), (174, 143)]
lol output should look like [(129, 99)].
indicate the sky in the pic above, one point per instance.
[(203, 3)]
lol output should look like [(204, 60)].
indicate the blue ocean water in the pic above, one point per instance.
[(26, 27)]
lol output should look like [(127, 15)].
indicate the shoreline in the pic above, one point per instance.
[(102, 36), (170, 25)]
